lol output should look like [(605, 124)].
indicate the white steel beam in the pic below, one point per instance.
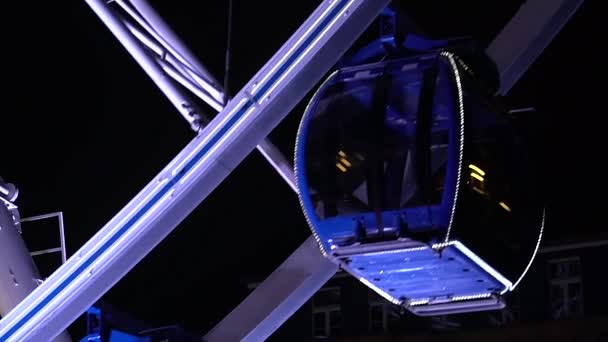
[(166, 64), (277, 298), (193, 173), (525, 37), (164, 30)]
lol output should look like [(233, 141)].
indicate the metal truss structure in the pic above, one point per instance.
[(221, 144)]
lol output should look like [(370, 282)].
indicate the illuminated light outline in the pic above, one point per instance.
[(417, 302), (305, 203), (477, 169), (346, 162), (540, 237), (456, 72), (505, 206), (471, 297), (425, 301), (476, 176)]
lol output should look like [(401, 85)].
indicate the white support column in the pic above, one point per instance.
[(277, 298), (163, 29), (194, 172), (525, 37)]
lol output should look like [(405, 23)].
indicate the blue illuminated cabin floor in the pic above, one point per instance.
[(411, 271)]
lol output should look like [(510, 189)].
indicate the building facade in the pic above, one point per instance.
[(560, 299)]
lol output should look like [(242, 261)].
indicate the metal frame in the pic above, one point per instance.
[(212, 155), (10, 205), (277, 298), (195, 171), (164, 57), (525, 37), (8, 194), (564, 284), (62, 247)]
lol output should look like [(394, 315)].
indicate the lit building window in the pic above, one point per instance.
[(378, 318), (382, 314), (509, 314), (566, 288), (326, 313)]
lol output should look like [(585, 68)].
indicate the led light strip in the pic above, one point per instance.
[(448, 300), (471, 297), (454, 67), (298, 156), (540, 237)]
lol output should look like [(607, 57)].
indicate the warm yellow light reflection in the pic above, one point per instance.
[(342, 168), (342, 154), (505, 206), (479, 191), (346, 162), (476, 169), (476, 176)]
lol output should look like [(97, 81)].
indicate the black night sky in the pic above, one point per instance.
[(84, 129)]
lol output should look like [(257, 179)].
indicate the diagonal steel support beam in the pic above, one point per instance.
[(290, 286), (301, 275), (163, 29), (525, 37), (193, 173), (162, 55)]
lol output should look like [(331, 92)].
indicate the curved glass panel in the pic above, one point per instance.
[(500, 208), (375, 158)]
